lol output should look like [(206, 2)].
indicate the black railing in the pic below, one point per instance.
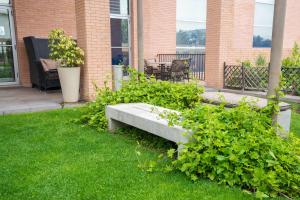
[(257, 78), (197, 66)]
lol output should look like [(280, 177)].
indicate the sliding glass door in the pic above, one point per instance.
[(8, 62)]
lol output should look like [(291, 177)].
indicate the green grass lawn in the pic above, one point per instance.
[(45, 156), (295, 124)]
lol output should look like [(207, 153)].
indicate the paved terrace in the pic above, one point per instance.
[(20, 99)]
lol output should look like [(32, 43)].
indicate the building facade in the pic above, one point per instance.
[(227, 31)]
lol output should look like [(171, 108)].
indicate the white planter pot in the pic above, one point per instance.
[(118, 76), (69, 80)]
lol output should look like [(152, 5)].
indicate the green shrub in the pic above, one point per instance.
[(64, 49), (247, 63), (239, 147), (293, 60), (261, 61), (176, 96), (235, 146)]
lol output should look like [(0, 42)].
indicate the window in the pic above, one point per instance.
[(190, 25), (120, 41), (263, 23), (4, 1)]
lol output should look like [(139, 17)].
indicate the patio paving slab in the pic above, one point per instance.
[(20, 100)]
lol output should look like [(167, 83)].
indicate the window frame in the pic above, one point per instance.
[(128, 18)]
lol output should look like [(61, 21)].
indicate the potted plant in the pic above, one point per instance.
[(64, 50)]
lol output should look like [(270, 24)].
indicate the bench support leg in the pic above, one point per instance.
[(179, 149), (114, 125)]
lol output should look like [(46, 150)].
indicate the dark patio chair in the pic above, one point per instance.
[(37, 48), (180, 69), (151, 68)]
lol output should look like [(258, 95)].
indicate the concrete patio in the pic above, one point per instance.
[(20, 100)]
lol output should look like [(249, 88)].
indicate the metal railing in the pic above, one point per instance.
[(197, 65)]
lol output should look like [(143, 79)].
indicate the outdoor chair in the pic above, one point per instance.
[(37, 49), (180, 69), (151, 68)]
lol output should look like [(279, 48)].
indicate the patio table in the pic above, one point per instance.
[(165, 68)]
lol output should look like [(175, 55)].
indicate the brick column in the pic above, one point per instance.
[(218, 39), (93, 36)]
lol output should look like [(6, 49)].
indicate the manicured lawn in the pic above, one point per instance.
[(295, 126), (45, 156)]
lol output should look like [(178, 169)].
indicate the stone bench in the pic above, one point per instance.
[(232, 100), (145, 117)]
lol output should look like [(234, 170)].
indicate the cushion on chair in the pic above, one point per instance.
[(49, 64)]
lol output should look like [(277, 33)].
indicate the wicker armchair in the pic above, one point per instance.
[(37, 48), (151, 68), (180, 69)]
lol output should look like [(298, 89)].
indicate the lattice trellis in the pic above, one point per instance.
[(291, 78), (233, 76), (257, 78)]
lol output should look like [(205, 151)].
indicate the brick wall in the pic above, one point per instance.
[(159, 27), (230, 33), (37, 18), (93, 35)]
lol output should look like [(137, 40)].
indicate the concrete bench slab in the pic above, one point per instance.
[(233, 100), (145, 117)]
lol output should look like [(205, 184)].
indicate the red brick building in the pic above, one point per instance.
[(107, 31)]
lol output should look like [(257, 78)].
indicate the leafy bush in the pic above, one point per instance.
[(239, 147), (235, 146), (64, 49), (261, 61), (176, 96), (247, 63), (292, 60)]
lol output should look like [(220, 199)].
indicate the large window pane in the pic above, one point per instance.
[(7, 73), (120, 56), (263, 22), (190, 24), (190, 34), (264, 14), (191, 10), (119, 7), (262, 37), (119, 32), (4, 1)]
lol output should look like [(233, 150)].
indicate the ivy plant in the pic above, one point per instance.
[(237, 146), (175, 96)]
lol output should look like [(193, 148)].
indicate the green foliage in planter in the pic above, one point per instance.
[(64, 49), (292, 60), (238, 147), (176, 96)]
